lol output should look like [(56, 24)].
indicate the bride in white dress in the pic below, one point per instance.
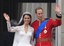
[(24, 33)]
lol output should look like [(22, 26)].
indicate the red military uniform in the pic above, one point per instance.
[(50, 24)]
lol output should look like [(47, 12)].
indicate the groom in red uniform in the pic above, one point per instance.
[(43, 26)]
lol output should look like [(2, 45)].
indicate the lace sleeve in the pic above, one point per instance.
[(11, 29)]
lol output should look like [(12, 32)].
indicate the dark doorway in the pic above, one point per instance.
[(11, 8)]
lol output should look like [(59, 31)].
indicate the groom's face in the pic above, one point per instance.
[(39, 14)]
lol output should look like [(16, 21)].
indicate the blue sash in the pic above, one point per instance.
[(41, 27)]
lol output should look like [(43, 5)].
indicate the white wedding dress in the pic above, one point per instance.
[(21, 38)]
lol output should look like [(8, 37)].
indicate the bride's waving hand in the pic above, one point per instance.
[(6, 16)]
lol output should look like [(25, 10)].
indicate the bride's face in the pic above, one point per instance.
[(27, 19)]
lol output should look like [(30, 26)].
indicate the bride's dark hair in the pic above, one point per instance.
[(22, 22)]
